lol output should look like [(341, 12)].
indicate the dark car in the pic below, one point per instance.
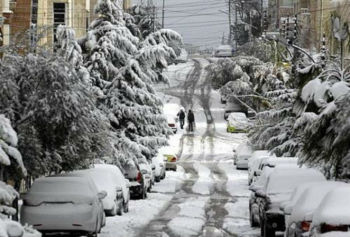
[(137, 187)]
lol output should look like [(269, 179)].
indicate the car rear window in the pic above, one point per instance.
[(61, 186)]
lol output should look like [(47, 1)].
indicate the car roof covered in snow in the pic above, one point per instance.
[(285, 180), (273, 161), (334, 208), (310, 198)]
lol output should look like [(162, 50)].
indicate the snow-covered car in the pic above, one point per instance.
[(64, 204), (159, 164), (301, 212), (332, 216), (274, 162), (278, 188), (138, 186), (170, 111), (237, 122), (254, 162), (253, 204), (242, 155), (105, 181), (146, 170), (170, 162), (232, 107), (121, 181), (223, 51)]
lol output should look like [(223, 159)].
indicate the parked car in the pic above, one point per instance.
[(255, 161), (253, 200), (170, 162), (274, 162), (242, 155), (104, 180), (121, 181), (146, 170), (223, 51), (159, 164), (138, 186), (332, 216), (170, 111), (237, 122), (301, 212), (278, 188), (64, 204)]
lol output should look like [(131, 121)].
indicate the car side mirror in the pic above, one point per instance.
[(287, 209), (260, 193), (101, 195), (127, 183), (257, 173)]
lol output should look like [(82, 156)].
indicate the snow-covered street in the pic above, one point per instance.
[(207, 196)]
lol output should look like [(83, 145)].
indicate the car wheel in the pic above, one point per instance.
[(268, 232)]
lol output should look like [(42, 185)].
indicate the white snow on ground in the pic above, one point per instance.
[(139, 215), (172, 183), (191, 218), (205, 183)]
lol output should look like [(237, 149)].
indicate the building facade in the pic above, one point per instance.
[(43, 17)]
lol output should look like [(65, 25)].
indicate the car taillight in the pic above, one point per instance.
[(139, 177), (171, 125), (305, 226), (173, 159), (328, 228)]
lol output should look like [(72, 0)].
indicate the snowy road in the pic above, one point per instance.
[(207, 197)]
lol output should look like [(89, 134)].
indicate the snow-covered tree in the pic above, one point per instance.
[(124, 68), (52, 112), (8, 152)]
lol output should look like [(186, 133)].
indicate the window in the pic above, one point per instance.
[(59, 17)]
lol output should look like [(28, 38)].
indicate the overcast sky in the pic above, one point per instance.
[(200, 22)]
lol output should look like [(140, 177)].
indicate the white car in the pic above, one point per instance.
[(274, 162), (170, 111), (159, 164), (64, 204), (242, 155), (332, 216), (232, 106), (223, 51), (120, 180), (105, 180), (255, 161), (146, 170), (237, 122), (301, 212)]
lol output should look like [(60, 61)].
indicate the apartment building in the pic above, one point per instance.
[(43, 17)]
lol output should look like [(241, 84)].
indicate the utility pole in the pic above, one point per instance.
[(236, 26), (163, 14)]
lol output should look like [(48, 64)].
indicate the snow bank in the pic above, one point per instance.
[(205, 183), (237, 220), (141, 212), (191, 218)]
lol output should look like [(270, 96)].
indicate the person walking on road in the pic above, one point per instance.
[(181, 114), (190, 119)]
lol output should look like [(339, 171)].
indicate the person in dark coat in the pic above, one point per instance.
[(181, 114), (190, 119)]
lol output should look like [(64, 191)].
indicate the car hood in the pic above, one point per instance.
[(38, 198)]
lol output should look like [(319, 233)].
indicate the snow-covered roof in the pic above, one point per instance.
[(275, 161), (244, 149), (310, 198), (285, 180), (334, 208)]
